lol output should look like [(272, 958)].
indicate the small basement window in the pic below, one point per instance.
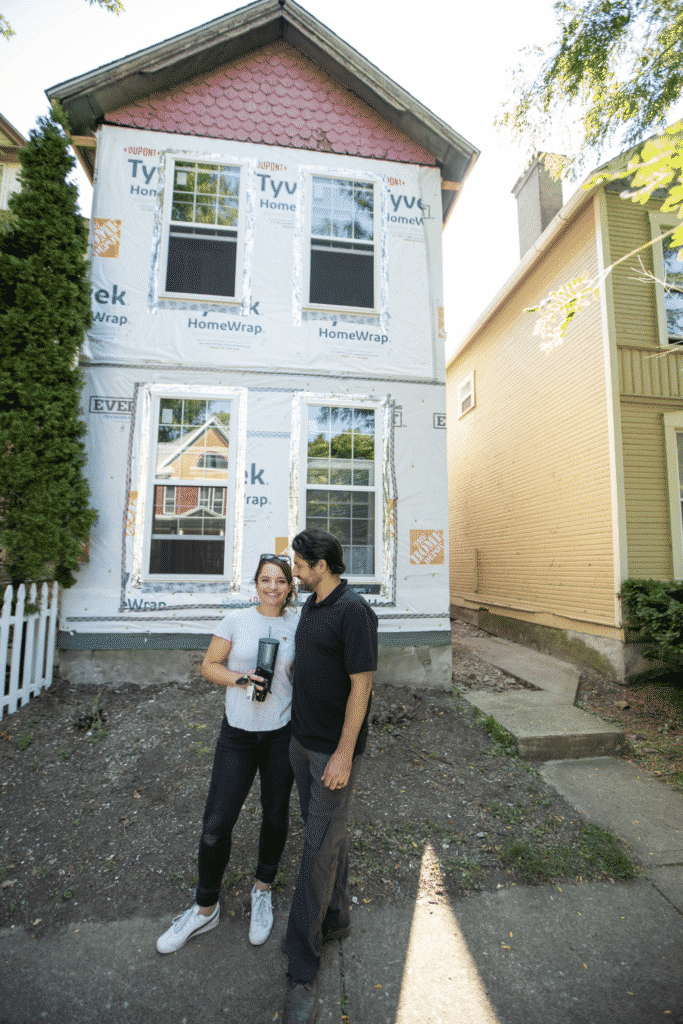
[(466, 395)]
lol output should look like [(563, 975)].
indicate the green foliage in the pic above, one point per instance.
[(5, 220), (115, 6), (44, 312), (596, 855), (655, 609), (645, 172), (504, 741), (24, 740), (343, 446), (621, 60)]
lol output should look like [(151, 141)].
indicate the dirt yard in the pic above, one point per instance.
[(102, 795)]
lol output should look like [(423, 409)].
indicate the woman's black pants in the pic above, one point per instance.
[(239, 754)]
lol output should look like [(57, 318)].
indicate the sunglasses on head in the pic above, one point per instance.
[(268, 555)]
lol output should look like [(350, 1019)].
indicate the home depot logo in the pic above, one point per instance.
[(426, 547), (107, 237)]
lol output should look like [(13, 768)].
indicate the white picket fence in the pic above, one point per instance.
[(39, 630)]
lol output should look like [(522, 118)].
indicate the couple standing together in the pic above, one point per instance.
[(323, 680)]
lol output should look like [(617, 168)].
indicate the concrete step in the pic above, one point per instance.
[(547, 730), (547, 673)]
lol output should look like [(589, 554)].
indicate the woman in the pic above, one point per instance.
[(253, 736)]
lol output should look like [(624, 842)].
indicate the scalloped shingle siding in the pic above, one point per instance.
[(277, 97)]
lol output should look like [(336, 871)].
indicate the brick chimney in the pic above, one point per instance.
[(539, 198)]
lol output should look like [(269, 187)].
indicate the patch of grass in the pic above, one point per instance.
[(513, 814), (504, 742), (64, 755), (467, 871), (596, 855), (24, 740)]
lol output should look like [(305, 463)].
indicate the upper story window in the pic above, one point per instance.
[(201, 254), (669, 288), (342, 270)]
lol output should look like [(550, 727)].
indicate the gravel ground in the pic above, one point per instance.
[(102, 795)]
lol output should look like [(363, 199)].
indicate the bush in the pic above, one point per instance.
[(655, 610)]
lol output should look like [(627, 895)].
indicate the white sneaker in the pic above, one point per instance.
[(185, 926), (261, 916)]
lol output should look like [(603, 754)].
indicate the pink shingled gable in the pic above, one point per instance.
[(277, 97)]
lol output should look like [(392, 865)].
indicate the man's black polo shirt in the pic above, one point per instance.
[(334, 640)]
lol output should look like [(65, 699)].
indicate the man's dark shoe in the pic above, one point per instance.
[(301, 1002), (334, 935)]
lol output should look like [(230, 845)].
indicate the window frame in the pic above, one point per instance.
[(169, 177), (659, 223), (234, 481), (469, 379), (379, 488), (673, 425), (306, 304)]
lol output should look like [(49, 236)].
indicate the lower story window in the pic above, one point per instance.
[(341, 474), (350, 516), (189, 523)]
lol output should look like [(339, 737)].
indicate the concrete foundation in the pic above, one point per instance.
[(611, 657), (112, 669), (415, 667)]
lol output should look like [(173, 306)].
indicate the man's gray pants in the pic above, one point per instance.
[(321, 898)]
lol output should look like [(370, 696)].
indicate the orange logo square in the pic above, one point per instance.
[(107, 236), (426, 547)]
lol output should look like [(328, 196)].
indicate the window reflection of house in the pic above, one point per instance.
[(193, 442)]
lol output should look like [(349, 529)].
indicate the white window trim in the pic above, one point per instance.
[(224, 300), (659, 223), (673, 424), (234, 483), (377, 247), (469, 379)]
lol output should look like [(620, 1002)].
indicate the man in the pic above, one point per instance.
[(335, 657)]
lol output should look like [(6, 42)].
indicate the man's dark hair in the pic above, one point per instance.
[(313, 545)]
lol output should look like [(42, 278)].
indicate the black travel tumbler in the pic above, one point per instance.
[(265, 666)]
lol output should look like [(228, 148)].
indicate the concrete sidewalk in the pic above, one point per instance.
[(594, 953), (544, 721)]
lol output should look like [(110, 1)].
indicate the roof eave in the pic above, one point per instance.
[(158, 68)]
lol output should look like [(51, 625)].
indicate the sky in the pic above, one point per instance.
[(455, 57)]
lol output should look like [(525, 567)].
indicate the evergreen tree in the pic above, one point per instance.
[(44, 311)]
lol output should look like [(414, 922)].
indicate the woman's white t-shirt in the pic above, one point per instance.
[(244, 628)]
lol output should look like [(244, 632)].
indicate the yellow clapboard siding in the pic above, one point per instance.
[(648, 526), (529, 465), (635, 311)]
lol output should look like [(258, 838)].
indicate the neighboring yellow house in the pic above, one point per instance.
[(566, 468), (11, 141)]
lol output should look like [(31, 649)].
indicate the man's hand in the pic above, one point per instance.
[(337, 771)]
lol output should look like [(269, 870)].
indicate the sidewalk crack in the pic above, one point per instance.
[(343, 996)]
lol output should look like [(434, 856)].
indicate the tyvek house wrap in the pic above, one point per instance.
[(269, 354)]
